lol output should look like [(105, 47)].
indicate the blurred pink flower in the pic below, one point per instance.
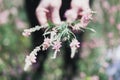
[(110, 78), (105, 4), (112, 20), (20, 24), (82, 75), (4, 17), (46, 43), (94, 77), (118, 26), (84, 54), (1, 1), (113, 9), (84, 44), (110, 35), (94, 43), (57, 45)]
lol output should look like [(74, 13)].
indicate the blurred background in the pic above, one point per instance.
[(99, 58)]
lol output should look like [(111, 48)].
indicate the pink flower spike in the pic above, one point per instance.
[(57, 45), (29, 60), (26, 33), (74, 45), (86, 17), (32, 58), (46, 43)]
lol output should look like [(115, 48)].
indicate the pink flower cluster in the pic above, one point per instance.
[(26, 33), (74, 45), (57, 45), (29, 60), (87, 16), (57, 36), (85, 19), (46, 44)]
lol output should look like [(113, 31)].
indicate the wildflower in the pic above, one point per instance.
[(74, 45), (29, 60), (26, 33), (46, 43), (85, 19), (56, 46)]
